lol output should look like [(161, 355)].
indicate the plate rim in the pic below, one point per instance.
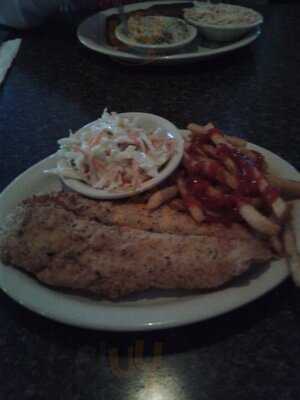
[(181, 312), (189, 56)]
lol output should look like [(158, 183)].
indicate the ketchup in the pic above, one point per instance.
[(270, 194), (222, 205), (213, 204)]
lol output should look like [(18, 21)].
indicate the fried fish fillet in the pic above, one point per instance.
[(113, 249), (136, 215)]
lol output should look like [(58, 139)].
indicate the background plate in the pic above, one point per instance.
[(91, 34)]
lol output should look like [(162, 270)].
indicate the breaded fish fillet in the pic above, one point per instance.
[(69, 241), (136, 215)]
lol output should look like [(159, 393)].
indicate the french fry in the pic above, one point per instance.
[(177, 204), (230, 165), (280, 208), (258, 221), (186, 134), (295, 220), (255, 201), (218, 137), (191, 203), (162, 196), (287, 187), (257, 158), (248, 153), (211, 151), (214, 192), (213, 169), (202, 129), (196, 213), (229, 179), (236, 141), (276, 245), (292, 254)]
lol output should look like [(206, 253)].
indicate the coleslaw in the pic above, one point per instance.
[(114, 153), (221, 14)]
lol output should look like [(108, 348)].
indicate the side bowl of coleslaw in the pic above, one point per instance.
[(222, 22), (119, 155)]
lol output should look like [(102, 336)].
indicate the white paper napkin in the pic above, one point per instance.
[(8, 52)]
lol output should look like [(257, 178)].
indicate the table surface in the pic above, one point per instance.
[(251, 353)]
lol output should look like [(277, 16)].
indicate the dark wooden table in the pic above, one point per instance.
[(251, 353)]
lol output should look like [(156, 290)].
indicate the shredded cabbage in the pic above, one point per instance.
[(114, 153)]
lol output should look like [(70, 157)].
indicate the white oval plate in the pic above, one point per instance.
[(192, 33), (147, 121), (147, 311), (91, 33)]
